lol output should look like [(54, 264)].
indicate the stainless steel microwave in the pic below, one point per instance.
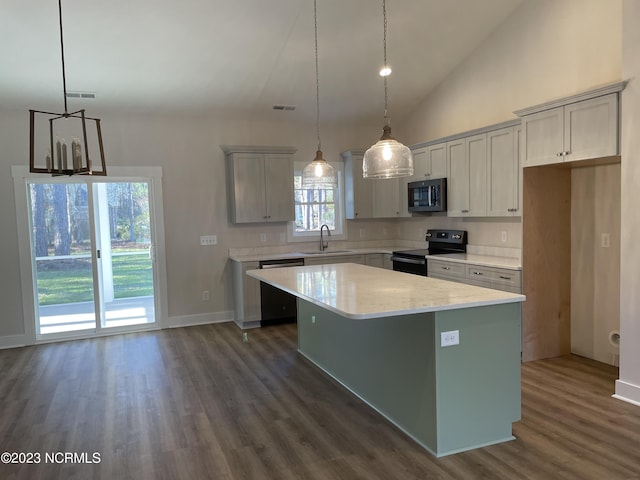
[(428, 195)]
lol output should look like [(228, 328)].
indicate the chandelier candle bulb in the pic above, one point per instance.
[(59, 154), (64, 154)]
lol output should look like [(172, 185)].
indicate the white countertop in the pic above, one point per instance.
[(484, 260), (308, 253), (362, 292)]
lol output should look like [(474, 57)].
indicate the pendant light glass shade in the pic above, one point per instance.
[(319, 174), (388, 158)]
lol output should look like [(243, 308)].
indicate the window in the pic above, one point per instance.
[(313, 208)]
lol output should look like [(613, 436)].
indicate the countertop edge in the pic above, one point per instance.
[(509, 298)]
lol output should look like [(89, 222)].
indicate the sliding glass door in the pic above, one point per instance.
[(93, 256)]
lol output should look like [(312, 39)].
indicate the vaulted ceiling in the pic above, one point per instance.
[(238, 57)]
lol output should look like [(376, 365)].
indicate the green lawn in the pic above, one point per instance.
[(69, 281)]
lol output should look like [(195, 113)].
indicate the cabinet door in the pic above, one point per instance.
[(278, 178), (386, 198), (420, 164), (437, 160), (457, 178), (543, 137), (502, 173), (477, 161), (248, 203), (250, 295), (358, 190), (591, 128), (430, 162)]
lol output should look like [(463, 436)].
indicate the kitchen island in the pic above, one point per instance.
[(440, 360)]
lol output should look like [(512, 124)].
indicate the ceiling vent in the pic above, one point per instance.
[(286, 108), (81, 95)]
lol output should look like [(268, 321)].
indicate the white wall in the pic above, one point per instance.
[(628, 386), (546, 49)]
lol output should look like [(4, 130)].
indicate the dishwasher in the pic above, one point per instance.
[(278, 306)]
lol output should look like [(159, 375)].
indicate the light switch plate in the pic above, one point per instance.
[(208, 240)]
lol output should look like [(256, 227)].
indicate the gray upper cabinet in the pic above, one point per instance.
[(358, 191), (260, 184), (581, 127), (467, 176), (371, 198), (430, 162), (503, 173)]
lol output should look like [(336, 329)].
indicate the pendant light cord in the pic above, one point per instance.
[(64, 78), (315, 26), (384, 45)]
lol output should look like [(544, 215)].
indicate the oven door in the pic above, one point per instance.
[(415, 265)]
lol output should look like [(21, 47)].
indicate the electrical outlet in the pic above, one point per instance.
[(313, 319), (450, 338), (503, 236), (362, 233), (205, 295), (605, 240), (263, 237), (208, 240)]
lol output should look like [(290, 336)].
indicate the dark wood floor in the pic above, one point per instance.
[(195, 403)]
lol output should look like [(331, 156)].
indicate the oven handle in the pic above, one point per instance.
[(409, 260)]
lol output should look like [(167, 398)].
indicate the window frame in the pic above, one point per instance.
[(340, 231)]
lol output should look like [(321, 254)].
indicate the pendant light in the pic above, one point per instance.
[(388, 158), (65, 143), (318, 174)]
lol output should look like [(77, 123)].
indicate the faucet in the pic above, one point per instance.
[(324, 246)]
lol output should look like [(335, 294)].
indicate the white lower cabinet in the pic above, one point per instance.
[(504, 279)]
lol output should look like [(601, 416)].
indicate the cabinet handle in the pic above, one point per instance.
[(477, 273), (559, 154), (446, 268), (464, 211), (505, 278), (427, 174)]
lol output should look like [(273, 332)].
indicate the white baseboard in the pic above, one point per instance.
[(627, 392), (199, 319), (13, 341)]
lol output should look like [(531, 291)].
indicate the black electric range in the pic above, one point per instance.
[(440, 243)]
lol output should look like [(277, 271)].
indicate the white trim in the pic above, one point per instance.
[(152, 175), (616, 87), (199, 319), (341, 223), (627, 392)]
